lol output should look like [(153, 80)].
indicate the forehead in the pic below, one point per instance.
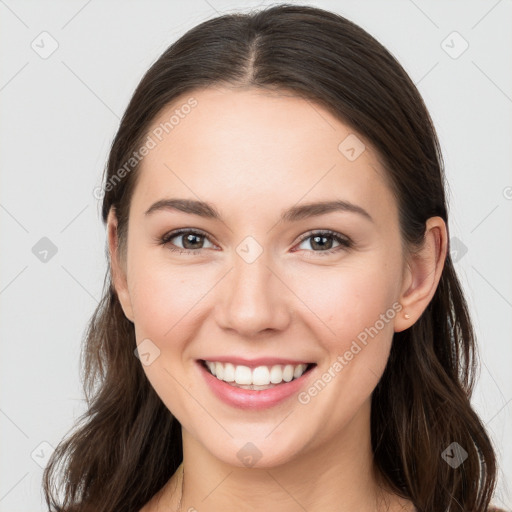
[(237, 146)]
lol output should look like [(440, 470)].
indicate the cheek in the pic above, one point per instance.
[(170, 304), (348, 299), (163, 292), (165, 299)]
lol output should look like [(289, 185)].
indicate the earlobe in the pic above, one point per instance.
[(118, 273), (423, 273)]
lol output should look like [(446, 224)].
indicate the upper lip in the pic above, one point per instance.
[(253, 363)]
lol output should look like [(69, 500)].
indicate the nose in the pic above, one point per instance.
[(253, 299)]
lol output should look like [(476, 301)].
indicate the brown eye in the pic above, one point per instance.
[(322, 242), (191, 240)]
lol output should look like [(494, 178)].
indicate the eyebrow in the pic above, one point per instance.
[(293, 214)]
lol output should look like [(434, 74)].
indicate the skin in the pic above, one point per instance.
[(252, 155)]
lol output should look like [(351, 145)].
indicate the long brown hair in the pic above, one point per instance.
[(128, 444)]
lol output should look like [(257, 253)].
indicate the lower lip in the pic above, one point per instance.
[(251, 398)]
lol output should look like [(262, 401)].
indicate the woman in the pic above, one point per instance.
[(282, 327)]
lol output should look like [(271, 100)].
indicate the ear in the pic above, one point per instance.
[(117, 268), (422, 274)]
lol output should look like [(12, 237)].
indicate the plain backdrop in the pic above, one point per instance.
[(68, 69)]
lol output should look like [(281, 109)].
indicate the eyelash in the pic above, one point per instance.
[(345, 242)]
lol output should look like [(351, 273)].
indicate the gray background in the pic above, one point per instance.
[(60, 113)]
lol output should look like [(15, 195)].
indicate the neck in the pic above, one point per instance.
[(334, 474)]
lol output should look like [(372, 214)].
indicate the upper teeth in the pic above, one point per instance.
[(259, 376)]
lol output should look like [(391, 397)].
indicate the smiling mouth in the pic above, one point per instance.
[(259, 378)]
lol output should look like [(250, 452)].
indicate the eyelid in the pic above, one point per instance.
[(330, 232), (183, 231), (344, 241)]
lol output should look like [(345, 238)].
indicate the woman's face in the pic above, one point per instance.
[(259, 282)]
